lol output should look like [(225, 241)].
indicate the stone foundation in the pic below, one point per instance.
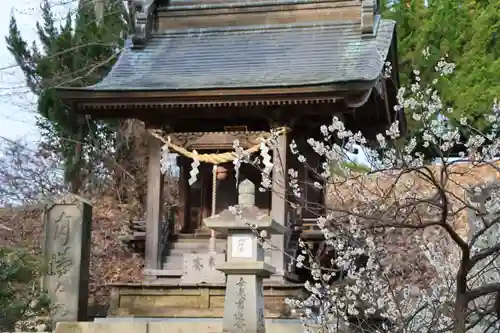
[(167, 327), (190, 301)]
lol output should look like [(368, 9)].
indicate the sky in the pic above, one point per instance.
[(17, 119), (17, 104)]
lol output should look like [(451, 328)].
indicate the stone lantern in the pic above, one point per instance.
[(244, 267)]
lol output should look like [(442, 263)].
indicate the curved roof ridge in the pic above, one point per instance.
[(195, 4), (265, 27)]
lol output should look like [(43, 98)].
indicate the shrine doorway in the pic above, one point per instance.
[(195, 200)]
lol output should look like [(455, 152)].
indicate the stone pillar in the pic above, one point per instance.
[(245, 267), (279, 204), (66, 250)]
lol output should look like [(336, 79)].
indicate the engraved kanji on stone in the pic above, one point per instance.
[(197, 265), (241, 245), (240, 304), (60, 263), (261, 318), (59, 287), (66, 250), (211, 262), (62, 230)]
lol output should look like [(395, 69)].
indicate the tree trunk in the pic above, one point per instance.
[(497, 305), (130, 175), (460, 314), (75, 180)]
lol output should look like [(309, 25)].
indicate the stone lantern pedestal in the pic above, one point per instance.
[(244, 267)]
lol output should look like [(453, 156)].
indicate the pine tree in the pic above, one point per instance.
[(467, 33), (77, 53), (477, 79)]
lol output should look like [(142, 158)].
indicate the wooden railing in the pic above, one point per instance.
[(136, 233), (166, 231)]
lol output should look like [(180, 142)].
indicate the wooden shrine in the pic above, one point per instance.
[(205, 73)]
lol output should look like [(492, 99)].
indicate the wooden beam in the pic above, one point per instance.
[(317, 94), (351, 12), (154, 205), (216, 140)]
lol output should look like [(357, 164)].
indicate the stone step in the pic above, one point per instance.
[(202, 240), (188, 321), (188, 245), (181, 251), (173, 266), (164, 272), (198, 236), (196, 247), (173, 262), (176, 261)]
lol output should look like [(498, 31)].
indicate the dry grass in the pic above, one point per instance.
[(109, 262), (405, 257)]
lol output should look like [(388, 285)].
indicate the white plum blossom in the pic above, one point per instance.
[(439, 277), (367, 291)]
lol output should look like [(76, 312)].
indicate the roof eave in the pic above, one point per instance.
[(86, 95)]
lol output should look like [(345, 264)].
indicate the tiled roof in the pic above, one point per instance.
[(174, 4), (277, 56)]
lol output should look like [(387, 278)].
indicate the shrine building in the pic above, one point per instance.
[(203, 73)]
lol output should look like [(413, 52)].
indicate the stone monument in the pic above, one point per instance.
[(201, 268), (244, 267), (66, 250)]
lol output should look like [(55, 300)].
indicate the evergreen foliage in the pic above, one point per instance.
[(77, 53), (21, 299), (468, 33)]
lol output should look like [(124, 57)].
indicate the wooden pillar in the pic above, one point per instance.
[(184, 194), (154, 207), (205, 194), (279, 204)]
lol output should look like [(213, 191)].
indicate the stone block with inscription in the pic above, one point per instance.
[(200, 268), (245, 267), (66, 251)]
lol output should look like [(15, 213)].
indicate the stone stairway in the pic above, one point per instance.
[(173, 262)]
